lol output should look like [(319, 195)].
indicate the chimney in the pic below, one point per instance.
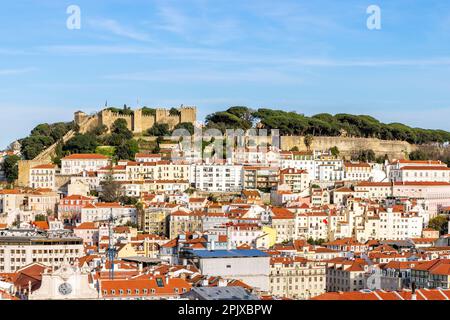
[(413, 293), (167, 280)]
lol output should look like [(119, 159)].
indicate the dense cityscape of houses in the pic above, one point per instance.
[(264, 224)]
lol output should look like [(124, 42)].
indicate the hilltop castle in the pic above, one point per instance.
[(139, 120)]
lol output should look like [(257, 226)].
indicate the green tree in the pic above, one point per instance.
[(159, 130), (81, 143), (127, 150), (439, 223), (100, 130), (187, 126), (11, 168), (120, 127), (174, 112), (335, 151), (367, 155), (308, 140), (40, 217)]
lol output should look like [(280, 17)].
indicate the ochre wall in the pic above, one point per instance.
[(137, 122), (346, 145)]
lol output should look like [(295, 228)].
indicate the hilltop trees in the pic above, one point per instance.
[(127, 150), (187, 126), (81, 143), (10, 167), (159, 130), (42, 137), (324, 124), (233, 118)]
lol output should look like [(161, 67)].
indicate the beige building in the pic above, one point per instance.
[(283, 221), (296, 278), (357, 171), (181, 221), (160, 170), (156, 221), (346, 275)]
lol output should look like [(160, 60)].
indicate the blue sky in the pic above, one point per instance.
[(308, 56)]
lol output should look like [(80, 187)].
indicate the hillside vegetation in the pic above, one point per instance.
[(323, 124), (123, 144)]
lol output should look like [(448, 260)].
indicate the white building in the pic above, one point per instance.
[(250, 266), (218, 178), (412, 171), (103, 211), (43, 176), (19, 248), (78, 163), (398, 225), (299, 160)]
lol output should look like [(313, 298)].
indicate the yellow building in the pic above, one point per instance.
[(268, 239), (126, 250)]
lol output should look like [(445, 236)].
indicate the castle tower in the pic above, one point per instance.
[(137, 121), (161, 115), (79, 117), (188, 114)]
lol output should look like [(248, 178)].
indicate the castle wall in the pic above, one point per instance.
[(147, 122), (139, 123), (108, 118), (346, 145)]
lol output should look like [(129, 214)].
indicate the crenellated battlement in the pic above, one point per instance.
[(137, 120)]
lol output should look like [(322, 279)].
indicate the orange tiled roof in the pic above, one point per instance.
[(85, 156)]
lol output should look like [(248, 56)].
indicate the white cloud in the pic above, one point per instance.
[(9, 72), (118, 29)]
